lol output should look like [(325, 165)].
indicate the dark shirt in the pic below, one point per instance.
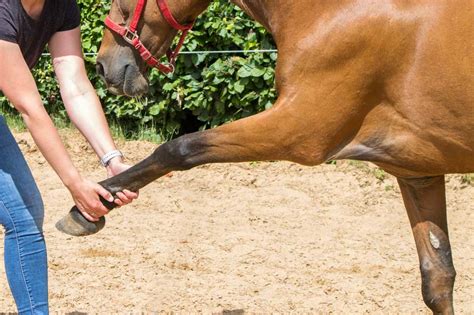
[(31, 35)]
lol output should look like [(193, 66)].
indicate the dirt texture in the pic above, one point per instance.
[(245, 238)]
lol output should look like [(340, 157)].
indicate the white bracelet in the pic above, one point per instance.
[(105, 160)]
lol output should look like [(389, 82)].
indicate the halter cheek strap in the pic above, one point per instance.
[(130, 35)]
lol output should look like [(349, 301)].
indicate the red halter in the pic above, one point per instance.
[(130, 35)]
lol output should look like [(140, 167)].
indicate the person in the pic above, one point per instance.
[(26, 27)]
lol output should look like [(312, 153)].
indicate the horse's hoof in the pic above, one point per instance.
[(75, 224)]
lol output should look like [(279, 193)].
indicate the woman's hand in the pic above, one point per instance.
[(115, 167), (86, 196)]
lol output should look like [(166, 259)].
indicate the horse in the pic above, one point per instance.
[(385, 81)]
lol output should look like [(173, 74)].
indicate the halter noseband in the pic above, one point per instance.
[(130, 35)]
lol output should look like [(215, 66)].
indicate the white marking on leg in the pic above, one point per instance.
[(434, 241)]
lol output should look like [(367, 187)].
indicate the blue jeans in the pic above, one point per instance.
[(21, 214)]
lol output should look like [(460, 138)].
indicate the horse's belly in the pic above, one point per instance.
[(403, 148)]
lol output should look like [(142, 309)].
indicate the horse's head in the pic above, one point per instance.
[(136, 37)]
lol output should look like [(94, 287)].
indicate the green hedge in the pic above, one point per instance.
[(205, 91)]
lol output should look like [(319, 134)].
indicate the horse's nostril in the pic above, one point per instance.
[(100, 69)]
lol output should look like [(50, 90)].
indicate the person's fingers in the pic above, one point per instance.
[(88, 216), (131, 194), (104, 193), (94, 217), (98, 209), (93, 205), (118, 202), (123, 198)]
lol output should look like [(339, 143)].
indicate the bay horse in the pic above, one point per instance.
[(385, 81)]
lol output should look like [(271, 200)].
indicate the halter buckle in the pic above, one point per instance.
[(130, 37), (172, 67)]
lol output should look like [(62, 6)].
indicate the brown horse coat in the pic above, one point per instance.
[(386, 81)]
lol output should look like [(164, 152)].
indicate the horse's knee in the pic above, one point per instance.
[(182, 153), (437, 284)]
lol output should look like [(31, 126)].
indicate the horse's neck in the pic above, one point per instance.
[(281, 17), (259, 10), (288, 20)]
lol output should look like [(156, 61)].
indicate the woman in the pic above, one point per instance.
[(26, 26)]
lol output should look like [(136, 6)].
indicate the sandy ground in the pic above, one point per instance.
[(252, 237)]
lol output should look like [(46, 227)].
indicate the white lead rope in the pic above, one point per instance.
[(204, 52)]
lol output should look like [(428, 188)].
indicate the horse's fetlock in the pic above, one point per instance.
[(438, 303), (437, 271), (437, 285)]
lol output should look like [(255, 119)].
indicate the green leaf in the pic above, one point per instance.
[(239, 86), (257, 71), (216, 88), (245, 71)]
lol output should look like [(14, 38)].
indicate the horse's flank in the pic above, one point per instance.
[(400, 72)]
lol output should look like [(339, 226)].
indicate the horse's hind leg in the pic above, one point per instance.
[(425, 202)]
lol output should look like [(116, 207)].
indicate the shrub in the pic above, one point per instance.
[(205, 91)]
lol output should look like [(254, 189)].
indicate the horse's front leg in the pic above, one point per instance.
[(271, 135), (308, 124), (425, 202)]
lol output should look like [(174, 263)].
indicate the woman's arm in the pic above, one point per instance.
[(18, 85), (81, 101)]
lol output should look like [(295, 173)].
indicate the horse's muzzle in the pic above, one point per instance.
[(122, 78)]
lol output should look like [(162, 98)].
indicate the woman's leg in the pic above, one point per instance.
[(21, 214)]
